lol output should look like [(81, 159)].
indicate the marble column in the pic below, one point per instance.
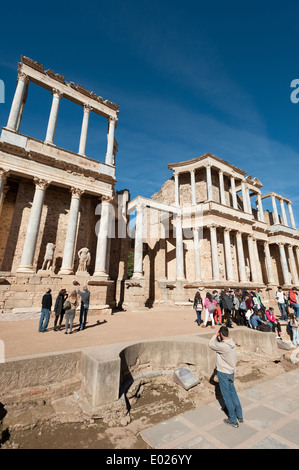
[(71, 234), (234, 194), (176, 189), (26, 265), (228, 255), (249, 206), (252, 258), (284, 264), (295, 279), (222, 190), (193, 191), (283, 212), (84, 129), (291, 215), (244, 196), (18, 100), (260, 208), (214, 252), (180, 272), (101, 265), (196, 254), (53, 116), (297, 255), (110, 141), (209, 183), (258, 262), (269, 266), (3, 177), (275, 212), (241, 259)]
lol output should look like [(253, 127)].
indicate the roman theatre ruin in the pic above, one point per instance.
[(63, 222)]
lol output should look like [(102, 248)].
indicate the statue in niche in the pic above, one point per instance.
[(84, 259), (247, 270), (48, 258)]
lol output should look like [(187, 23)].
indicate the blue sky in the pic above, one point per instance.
[(189, 77)]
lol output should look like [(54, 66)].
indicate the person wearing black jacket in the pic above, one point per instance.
[(58, 309), (45, 312), (227, 305)]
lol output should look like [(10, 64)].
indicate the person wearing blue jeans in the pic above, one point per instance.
[(45, 311), (280, 297), (225, 349)]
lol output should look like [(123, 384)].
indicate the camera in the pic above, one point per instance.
[(219, 337)]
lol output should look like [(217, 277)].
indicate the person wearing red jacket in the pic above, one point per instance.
[(274, 323), (293, 296)]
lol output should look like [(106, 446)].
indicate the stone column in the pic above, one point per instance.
[(193, 191), (27, 259), (3, 177), (241, 259), (228, 255), (283, 212), (180, 272), (249, 206), (269, 266), (260, 208), (275, 213), (71, 234), (176, 189), (101, 265), (257, 262), (244, 196), (214, 252), (196, 254), (53, 116), (110, 141), (222, 191), (84, 129), (291, 215), (252, 258), (15, 110), (284, 264), (293, 265), (234, 194), (209, 183)]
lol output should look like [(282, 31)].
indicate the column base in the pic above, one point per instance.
[(137, 275), (26, 269), (101, 275), (66, 271)]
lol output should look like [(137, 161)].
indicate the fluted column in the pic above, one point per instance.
[(234, 194), (258, 262), (53, 116), (27, 259), (110, 141), (291, 215), (18, 100), (283, 212), (228, 255), (84, 129), (196, 254), (222, 190), (176, 189), (275, 212), (214, 252), (241, 259), (260, 208), (293, 265), (284, 264), (249, 206), (180, 272), (71, 234), (101, 264), (193, 191), (252, 258), (209, 183), (3, 177), (269, 266), (244, 196)]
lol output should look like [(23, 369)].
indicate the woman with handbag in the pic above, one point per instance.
[(70, 312), (58, 309), (198, 306)]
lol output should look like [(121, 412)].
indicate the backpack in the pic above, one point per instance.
[(263, 327), (199, 305), (67, 305), (211, 307)]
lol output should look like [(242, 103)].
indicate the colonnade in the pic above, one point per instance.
[(282, 201), (247, 207), (16, 112), (33, 227)]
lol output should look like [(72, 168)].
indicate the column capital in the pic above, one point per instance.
[(212, 226), (57, 93), (87, 108), (227, 229), (112, 120), (41, 183), (107, 199), (76, 192), (4, 174), (251, 237), (23, 77)]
